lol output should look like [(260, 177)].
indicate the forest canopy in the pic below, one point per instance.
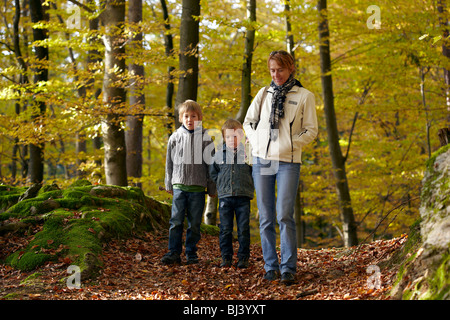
[(59, 86)]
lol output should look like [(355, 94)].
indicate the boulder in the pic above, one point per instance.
[(424, 274)]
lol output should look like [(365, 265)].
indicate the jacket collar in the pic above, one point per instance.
[(240, 150), (182, 129), (293, 89)]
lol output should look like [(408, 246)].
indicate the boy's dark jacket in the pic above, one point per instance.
[(233, 177)]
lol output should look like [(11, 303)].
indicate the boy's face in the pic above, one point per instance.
[(189, 119), (232, 137)]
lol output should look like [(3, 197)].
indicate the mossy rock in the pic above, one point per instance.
[(9, 196), (425, 258), (77, 221)]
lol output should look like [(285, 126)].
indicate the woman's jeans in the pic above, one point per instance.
[(228, 207), (281, 207), (190, 204)]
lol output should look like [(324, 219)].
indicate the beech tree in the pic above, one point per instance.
[(36, 164), (133, 136), (338, 160), (19, 151), (189, 52), (246, 96), (114, 94), (376, 84)]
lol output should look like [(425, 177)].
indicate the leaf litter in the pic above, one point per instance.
[(132, 271)]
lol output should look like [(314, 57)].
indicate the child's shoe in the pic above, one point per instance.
[(171, 258), (242, 263), (192, 259), (226, 262)]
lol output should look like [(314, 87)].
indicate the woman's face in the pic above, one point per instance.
[(278, 73)]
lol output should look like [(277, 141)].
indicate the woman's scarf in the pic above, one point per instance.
[(278, 99)]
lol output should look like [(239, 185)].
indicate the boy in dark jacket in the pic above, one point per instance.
[(233, 178)]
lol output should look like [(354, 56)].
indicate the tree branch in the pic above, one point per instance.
[(85, 7)]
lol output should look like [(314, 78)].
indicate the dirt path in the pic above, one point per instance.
[(132, 271)]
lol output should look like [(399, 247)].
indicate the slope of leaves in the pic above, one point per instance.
[(132, 271)]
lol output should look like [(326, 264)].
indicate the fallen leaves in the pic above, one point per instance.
[(132, 270)]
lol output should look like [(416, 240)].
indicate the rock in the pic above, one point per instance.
[(425, 272), (31, 192), (44, 207)]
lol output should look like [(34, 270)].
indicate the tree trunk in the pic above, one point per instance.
[(289, 35), (210, 215), (189, 38), (338, 161), (168, 43), (36, 164), (441, 7), (23, 79), (133, 136), (114, 95), (246, 92), (94, 56)]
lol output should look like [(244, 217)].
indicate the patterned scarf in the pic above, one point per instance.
[(278, 99)]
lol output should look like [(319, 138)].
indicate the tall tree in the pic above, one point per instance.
[(93, 56), (19, 106), (168, 45), (189, 39), (114, 94), (289, 35), (38, 16), (442, 9), (246, 91), (133, 136), (338, 160)]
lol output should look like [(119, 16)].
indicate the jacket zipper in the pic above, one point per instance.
[(292, 143)]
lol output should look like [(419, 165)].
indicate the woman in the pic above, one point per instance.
[(278, 124)]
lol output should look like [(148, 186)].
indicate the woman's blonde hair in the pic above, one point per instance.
[(189, 105)]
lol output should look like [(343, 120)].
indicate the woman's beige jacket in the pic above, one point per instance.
[(297, 128)]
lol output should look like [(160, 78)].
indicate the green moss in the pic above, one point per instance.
[(406, 254), (430, 162), (11, 296), (31, 278), (9, 196), (81, 183), (29, 260), (440, 281), (427, 184), (434, 284), (86, 217), (208, 229)]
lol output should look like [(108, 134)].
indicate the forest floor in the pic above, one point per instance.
[(132, 271)]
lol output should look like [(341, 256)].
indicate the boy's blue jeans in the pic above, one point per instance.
[(228, 208), (191, 205), (281, 207)]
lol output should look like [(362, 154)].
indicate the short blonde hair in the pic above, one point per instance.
[(189, 105), (231, 124)]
